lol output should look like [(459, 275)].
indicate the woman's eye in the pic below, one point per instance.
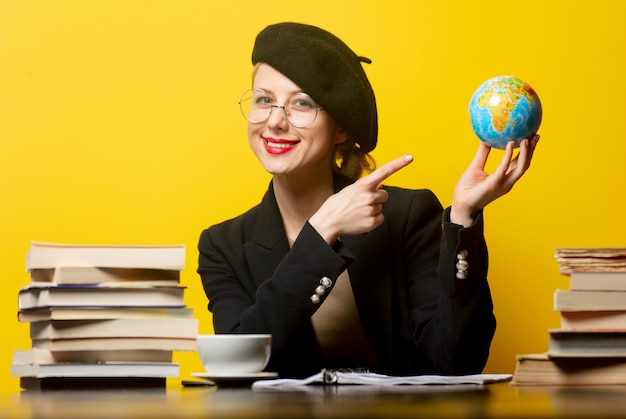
[(262, 100), (302, 104)]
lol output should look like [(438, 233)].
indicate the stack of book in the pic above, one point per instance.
[(590, 346), (103, 315)]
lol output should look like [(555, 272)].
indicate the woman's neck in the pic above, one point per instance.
[(298, 198)]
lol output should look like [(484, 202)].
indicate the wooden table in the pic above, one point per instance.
[(491, 401)]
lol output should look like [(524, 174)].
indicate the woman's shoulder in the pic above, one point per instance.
[(234, 226), (267, 207), (400, 196), (412, 209)]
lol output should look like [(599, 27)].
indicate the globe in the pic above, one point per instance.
[(505, 109)]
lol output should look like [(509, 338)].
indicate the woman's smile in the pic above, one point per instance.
[(279, 145)]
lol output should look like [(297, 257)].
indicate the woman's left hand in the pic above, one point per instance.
[(476, 188)]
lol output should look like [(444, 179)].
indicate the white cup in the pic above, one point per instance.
[(234, 353)]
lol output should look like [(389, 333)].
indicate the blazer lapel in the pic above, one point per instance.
[(269, 244)]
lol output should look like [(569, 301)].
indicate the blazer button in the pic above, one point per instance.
[(315, 299), (320, 290), (326, 282), (462, 264)]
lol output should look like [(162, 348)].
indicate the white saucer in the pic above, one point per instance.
[(235, 376)]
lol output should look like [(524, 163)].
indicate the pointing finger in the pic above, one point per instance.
[(383, 172)]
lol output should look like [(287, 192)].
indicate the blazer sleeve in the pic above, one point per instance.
[(451, 305)]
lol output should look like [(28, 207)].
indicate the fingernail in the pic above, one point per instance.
[(408, 157), (536, 137)]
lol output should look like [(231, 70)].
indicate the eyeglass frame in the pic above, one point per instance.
[(283, 107)]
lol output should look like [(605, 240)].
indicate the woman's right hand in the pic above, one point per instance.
[(358, 207)]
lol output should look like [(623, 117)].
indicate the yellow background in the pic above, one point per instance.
[(119, 124)]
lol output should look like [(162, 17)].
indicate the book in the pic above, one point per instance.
[(129, 343), (94, 275), (587, 343), (46, 356), (590, 320), (67, 329), (102, 313), (597, 281), (46, 255), (31, 297), (590, 252), (82, 383), (539, 369), (593, 259), (96, 369), (565, 300)]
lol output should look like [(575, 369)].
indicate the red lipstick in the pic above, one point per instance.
[(278, 145)]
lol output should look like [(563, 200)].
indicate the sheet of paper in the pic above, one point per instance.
[(331, 377)]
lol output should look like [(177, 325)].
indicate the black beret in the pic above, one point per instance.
[(328, 70)]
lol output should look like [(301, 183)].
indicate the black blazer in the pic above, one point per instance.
[(417, 315)]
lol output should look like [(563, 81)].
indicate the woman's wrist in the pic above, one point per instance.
[(324, 229), (460, 217)]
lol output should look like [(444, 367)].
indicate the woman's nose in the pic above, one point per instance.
[(278, 118)]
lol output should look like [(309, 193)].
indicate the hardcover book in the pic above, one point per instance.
[(149, 328), (43, 255), (73, 275), (33, 297), (539, 369), (587, 343), (103, 313)]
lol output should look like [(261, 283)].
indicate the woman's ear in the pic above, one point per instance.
[(340, 136)]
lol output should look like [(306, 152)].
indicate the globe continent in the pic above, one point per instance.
[(505, 109)]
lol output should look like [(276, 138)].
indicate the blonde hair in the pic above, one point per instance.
[(351, 161)]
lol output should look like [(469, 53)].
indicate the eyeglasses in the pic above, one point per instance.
[(300, 110)]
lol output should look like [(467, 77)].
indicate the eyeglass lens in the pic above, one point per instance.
[(300, 110)]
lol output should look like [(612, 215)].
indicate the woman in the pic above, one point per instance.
[(343, 272)]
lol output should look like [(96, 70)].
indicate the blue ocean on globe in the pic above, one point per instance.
[(505, 109)]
